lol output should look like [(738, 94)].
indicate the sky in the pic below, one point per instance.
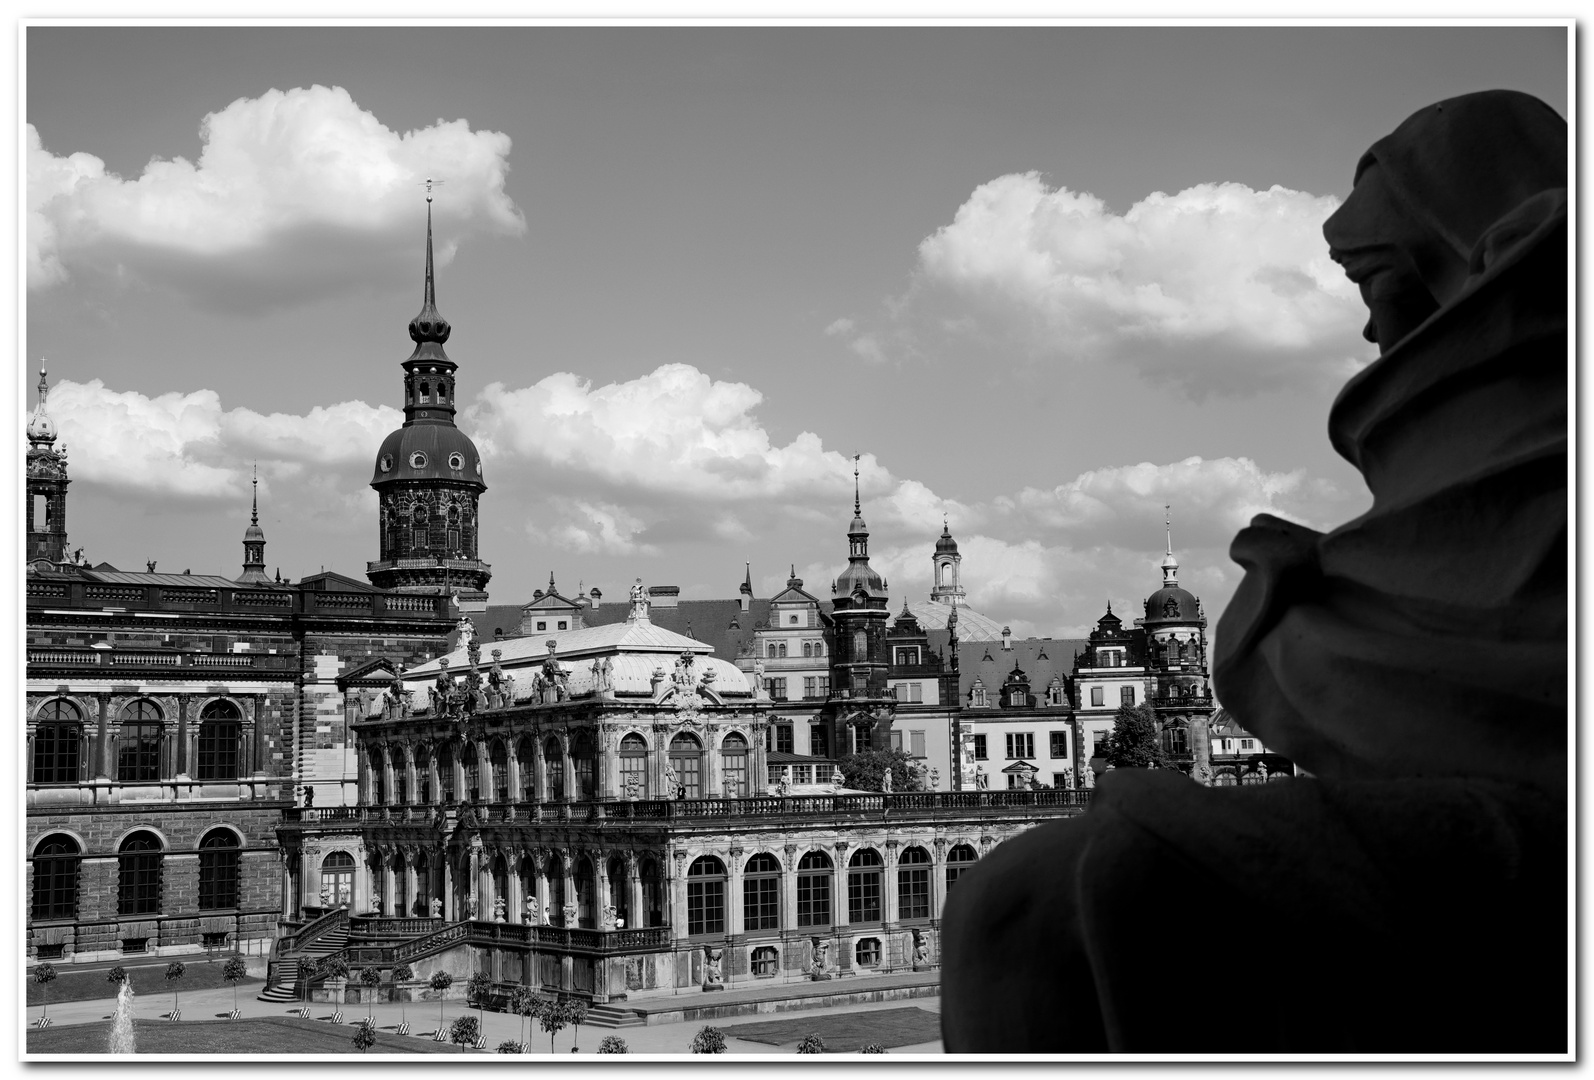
[(1046, 280)]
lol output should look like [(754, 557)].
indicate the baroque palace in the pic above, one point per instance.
[(610, 801)]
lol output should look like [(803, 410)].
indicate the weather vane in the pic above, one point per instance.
[(429, 182)]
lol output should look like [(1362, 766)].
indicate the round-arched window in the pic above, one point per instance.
[(418, 459), (138, 744), (218, 870), (813, 889), (220, 735), (913, 884), (58, 744), (55, 878), (761, 893), (686, 758), (863, 886), (456, 461), (705, 897), (634, 766), (733, 765), (139, 875), (958, 861)]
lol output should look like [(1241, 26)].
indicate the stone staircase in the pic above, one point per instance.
[(330, 942), (286, 988), (614, 1016)]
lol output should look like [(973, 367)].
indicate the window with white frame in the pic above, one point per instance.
[(1020, 744)]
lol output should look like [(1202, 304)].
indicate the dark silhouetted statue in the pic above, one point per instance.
[(1411, 896)]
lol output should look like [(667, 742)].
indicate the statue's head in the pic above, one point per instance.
[(1425, 194)]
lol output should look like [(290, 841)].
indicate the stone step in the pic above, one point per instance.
[(614, 1016)]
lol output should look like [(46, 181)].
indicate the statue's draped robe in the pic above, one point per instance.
[(1413, 895)]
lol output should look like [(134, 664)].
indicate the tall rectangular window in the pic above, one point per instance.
[(1059, 740), (761, 903), (783, 738), (863, 896), (810, 685), (896, 740), (824, 686), (1020, 744), (979, 748), (705, 906), (1126, 695), (813, 899), (777, 688), (1097, 696), (818, 740), (218, 750), (916, 692), (916, 743), (138, 753)]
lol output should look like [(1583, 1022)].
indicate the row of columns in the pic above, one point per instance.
[(397, 764)]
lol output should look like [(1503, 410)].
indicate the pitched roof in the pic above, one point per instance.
[(127, 577), (710, 621), (1041, 659), (972, 626)]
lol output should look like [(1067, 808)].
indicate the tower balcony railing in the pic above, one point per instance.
[(426, 562)]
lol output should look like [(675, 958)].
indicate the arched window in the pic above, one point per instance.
[(863, 887), (958, 860), (913, 884), (761, 893), (528, 883), (634, 766), (586, 893), (652, 892), (423, 775), (138, 889), (584, 758), (220, 734), (500, 771), (423, 887), (772, 650), (813, 889), (733, 765), (808, 648), (553, 770), (819, 648), (58, 744), (783, 650), (453, 526), (473, 772), (426, 393), (556, 891), (686, 758), (526, 760), (218, 870), (860, 646), (138, 746), (705, 897), (337, 879), (619, 891), (376, 772), (55, 871)]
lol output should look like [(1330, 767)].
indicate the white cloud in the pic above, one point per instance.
[(1217, 288), (294, 193), (672, 464)]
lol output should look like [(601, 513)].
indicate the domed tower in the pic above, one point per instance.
[(428, 475), (1176, 659), (860, 610), (47, 481), (947, 590), (254, 543)]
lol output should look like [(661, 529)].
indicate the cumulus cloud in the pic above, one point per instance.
[(294, 194), (1215, 289), (672, 464)]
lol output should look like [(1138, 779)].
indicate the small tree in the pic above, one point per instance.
[(233, 972), (174, 975), (613, 1044), (872, 1048), (866, 771), (552, 1017), (441, 981), (510, 1046), (811, 1044), (1134, 743), (365, 1038), (117, 975), (401, 973), (576, 1013), (464, 1031), (44, 975), (371, 978), (525, 1002), (334, 967), (708, 1040), (479, 991)]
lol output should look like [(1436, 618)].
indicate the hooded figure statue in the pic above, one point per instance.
[(1412, 661)]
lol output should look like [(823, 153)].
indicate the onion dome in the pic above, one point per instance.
[(1171, 603), (946, 545), (858, 574), (41, 429)]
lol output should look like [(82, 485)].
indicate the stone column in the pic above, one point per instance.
[(511, 770), (568, 868), (937, 880), (600, 888), (675, 894), (182, 735), (735, 905), (888, 889), (539, 870), (841, 919), (788, 897), (390, 897), (447, 871), (460, 790), (514, 900), (389, 775), (102, 739), (637, 916)]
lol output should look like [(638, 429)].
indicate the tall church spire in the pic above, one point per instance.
[(254, 540), (1170, 565), (47, 482)]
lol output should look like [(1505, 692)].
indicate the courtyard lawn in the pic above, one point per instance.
[(149, 980), (269, 1035), (845, 1032)]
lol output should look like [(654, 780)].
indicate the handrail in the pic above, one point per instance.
[(313, 931)]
